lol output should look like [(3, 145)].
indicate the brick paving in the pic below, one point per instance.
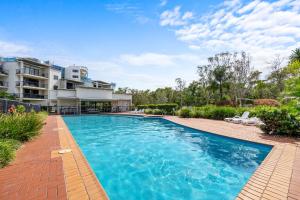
[(34, 174)]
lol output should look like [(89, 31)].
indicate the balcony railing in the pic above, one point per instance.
[(34, 96), (3, 84), (32, 84), (30, 71)]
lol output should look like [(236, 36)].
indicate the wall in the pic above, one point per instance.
[(52, 82), (12, 78), (93, 93), (122, 97), (69, 73), (66, 93)]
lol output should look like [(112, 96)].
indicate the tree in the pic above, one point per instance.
[(261, 90), (221, 74), (243, 76), (295, 55), (293, 82), (204, 72), (216, 73), (180, 87), (277, 76)]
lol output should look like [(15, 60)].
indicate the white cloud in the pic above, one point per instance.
[(163, 2), (159, 60), (248, 7), (13, 49), (261, 28), (175, 17), (129, 9), (187, 15), (147, 59)]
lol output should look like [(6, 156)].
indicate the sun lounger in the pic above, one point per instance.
[(253, 121), (238, 119)]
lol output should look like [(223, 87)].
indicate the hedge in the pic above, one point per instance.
[(277, 121), (167, 108), (210, 112)]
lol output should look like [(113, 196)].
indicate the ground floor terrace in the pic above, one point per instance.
[(87, 106), (41, 172)]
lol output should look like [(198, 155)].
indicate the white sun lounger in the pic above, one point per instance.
[(238, 119), (253, 121)]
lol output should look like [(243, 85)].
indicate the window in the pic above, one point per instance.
[(55, 87), (75, 76), (70, 85), (75, 70), (55, 77)]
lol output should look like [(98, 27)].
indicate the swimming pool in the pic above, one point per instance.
[(144, 158)]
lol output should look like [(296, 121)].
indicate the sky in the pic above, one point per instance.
[(147, 44)]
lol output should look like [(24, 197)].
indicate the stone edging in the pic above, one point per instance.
[(81, 182)]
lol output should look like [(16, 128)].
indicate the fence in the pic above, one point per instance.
[(74, 110), (5, 104)]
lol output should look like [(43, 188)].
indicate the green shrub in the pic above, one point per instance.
[(157, 112), (214, 112), (279, 121), (20, 109), (184, 112), (148, 111), (196, 112), (293, 107), (7, 151), (5, 95), (167, 108), (221, 113), (20, 127)]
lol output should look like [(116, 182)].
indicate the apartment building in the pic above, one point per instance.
[(61, 88)]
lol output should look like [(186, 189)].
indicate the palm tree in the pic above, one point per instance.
[(295, 55), (221, 75)]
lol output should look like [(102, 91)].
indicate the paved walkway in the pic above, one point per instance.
[(34, 174)]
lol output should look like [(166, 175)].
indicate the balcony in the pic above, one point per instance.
[(32, 73), (3, 84), (34, 96), (32, 85)]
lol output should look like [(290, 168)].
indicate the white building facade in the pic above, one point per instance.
[(61, 89)]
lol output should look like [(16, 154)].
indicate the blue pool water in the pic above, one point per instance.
[(139, 158)]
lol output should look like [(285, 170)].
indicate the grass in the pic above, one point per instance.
[(8, 149)]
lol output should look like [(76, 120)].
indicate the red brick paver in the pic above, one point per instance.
[(34, 174)]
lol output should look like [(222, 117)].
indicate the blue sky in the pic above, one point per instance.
[(147, 44)]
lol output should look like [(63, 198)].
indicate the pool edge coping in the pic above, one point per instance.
[(82, 185)]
